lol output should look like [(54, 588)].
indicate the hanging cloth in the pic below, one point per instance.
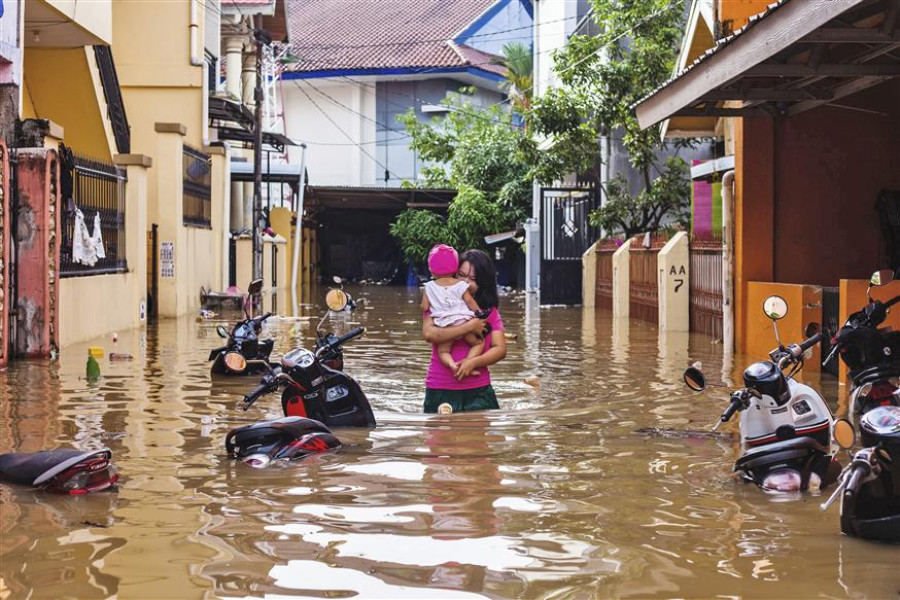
[(83, 250), (97, 238)]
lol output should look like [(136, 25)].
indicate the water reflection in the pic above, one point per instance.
[(554, 496)]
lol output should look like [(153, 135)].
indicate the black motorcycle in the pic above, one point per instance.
[(245, 353), (63, 471), (314, 385), (285, 439), (870, 484)]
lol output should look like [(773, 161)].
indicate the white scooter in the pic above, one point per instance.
[(785, 425)]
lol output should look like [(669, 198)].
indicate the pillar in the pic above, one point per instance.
[(674, 283), (136, 225), (220, 208), (170, 214), (234, 48), (589, 276), (621, 293)]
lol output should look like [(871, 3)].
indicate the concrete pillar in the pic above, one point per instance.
[(136, 225), (248, 82), (4, 251), (220, 209), (621, 294), (170, 216), (234, 48), (589, 276), (674, 263)]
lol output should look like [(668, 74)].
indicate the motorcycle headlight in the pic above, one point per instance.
[(234, 361)]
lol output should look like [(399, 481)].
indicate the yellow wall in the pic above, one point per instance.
[(64, 86), (804, 307), (93, 16)]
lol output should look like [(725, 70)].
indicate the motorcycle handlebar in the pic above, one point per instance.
[(349, 336), (256, 393), (732, 408), (809, 343), (853, 481)]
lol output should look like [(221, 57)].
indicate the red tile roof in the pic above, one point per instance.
[(382, 34)]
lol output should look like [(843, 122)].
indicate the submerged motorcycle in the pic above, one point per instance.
[(63, 471), (244, 353), (870, 484), (313, 385), (288, 438), (785, 425)]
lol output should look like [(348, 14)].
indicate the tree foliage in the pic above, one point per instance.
[(603, 76), (475, 151)]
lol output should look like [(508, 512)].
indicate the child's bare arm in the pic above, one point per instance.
[(470, 302), (425, 305)]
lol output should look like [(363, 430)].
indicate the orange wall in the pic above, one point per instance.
[(804, 307), (738, 11), (830, 165)]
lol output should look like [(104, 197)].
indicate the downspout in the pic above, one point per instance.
[(298, 229), (196, 59), (728, 262)]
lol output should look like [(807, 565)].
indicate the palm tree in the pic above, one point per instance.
[(517, 61)]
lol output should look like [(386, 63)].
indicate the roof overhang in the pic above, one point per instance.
[(277, 173), (379, 198), (796, 56), (464, 74)]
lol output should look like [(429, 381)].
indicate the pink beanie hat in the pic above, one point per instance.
[(443, 260)]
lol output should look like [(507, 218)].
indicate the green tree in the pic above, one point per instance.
[(603, 76), (477, 152), (519, 64)]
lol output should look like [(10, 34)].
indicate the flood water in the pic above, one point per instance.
[(557, 495)]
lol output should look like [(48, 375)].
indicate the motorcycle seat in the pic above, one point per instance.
[(785, 450), (35, 468), (268, 435)]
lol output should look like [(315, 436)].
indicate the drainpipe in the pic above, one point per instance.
[(298, 230), (728, 262), (196, 59)]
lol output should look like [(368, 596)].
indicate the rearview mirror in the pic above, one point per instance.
[(882, 277), (775, 307), (844, 434), (223, 333), (694, 379), (337, 280), (336, 300), (255, 287)]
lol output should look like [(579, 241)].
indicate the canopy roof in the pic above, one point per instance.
[(797, 55)]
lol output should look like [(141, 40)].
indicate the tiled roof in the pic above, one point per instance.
[(771, 8), (383, 34)]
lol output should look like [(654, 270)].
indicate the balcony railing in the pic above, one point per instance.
[(197, 169)]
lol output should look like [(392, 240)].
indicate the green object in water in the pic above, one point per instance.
[(93, 368)]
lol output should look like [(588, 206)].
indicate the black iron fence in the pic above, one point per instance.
[(98, 188), (197, 173)]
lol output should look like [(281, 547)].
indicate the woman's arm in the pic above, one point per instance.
[(495, 354), (433, 334)]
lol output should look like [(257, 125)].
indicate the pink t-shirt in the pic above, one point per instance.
[(440, 377)]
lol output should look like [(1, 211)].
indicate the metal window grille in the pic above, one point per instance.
[(97, 188), (197, 170)]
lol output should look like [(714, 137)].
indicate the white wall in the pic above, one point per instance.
[(338, 142), (554, 22)]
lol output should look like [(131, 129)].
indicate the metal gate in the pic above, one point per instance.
[(566, 233), (152, 273)]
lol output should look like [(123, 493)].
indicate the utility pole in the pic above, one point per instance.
[(262, 38)]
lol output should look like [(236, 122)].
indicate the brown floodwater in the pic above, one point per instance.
[(556, 495)]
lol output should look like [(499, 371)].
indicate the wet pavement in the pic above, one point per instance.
[(557, 495)]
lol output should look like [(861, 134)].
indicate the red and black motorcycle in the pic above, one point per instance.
[(62, 471)]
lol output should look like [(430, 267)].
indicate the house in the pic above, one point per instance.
[(813, 93)]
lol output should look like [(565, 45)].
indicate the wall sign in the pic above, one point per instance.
[(167, 259)]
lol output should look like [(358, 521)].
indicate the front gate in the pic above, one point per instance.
[(566, 233)]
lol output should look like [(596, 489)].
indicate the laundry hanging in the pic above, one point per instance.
[(86, 248)]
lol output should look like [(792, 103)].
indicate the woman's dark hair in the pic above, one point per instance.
[(485, 278)]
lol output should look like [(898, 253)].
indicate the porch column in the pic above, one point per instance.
[(220, 216), (621, 281), (754, 215), (234, 49), (136, 221), (249, 85), (170, 216)]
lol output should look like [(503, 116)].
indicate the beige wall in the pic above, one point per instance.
[(101, 304)]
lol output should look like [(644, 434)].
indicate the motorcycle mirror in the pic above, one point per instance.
[(811, 330), (881, 277), (255, 287), (844, 434), (694, 379), (337, 280), (775, 307), (235, 362), (222, 331), (336, 300)]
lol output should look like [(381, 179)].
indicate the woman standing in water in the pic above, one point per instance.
[(464, 390)]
